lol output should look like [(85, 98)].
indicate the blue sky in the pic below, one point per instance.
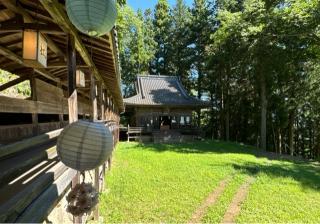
[(144, 4)]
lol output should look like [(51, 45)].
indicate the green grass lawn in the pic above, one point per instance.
[(167, 183)]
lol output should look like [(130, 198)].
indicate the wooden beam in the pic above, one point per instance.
[(43, 205), (57, 11), (13, 83), (19, 146), (11, 209), (46, 74), (16, 8), (12, 56), (63, 65), (43, 28)]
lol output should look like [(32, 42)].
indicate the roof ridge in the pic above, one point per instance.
[(182, 90), (157, 76), (141, 88)]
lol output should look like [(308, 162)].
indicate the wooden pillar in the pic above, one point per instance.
[(62, 107), (93, 95), (35, 129), (61, 120), (72, 92), (101, 102), (107, 107), (72, 100), (94, 117)]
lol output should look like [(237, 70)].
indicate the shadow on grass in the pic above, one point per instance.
[(220, 147), (202, 147), (300, 170), (306, 175)]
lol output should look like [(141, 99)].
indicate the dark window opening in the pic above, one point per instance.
[(46, 118), (165, 121), (65, 117), (14, 118)]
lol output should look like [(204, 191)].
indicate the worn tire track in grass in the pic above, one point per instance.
[(235, 205), (209, 201)]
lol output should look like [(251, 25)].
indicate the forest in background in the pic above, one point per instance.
[(256, 60)]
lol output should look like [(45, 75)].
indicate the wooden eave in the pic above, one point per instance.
[(94, 55)]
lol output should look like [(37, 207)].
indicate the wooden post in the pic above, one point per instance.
[(72, 100), (108, 107), (94, 117), (93, 92), (72, 92), (128, 133), (34, 97), (59, 85), (101, 101)]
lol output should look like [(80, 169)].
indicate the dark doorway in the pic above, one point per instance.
[(165, 122)]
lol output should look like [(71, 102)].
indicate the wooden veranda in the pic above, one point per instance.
[(32, 179)]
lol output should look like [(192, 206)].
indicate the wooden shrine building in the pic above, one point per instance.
[(72, 76), (162, 103)]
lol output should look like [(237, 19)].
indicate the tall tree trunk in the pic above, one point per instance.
[(227, 122), (222, 115), (279, 141), (264, 104), (291, 131), (199, 118), (227, 105), (212, 117)]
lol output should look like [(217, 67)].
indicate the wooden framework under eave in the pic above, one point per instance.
[(24, 148), (95, 55)]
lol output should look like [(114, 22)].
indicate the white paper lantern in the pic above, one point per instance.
[(92, 17), (85, 145)]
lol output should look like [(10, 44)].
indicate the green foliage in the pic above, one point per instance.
[(21, 90), (136, 44), (168, 182), (256, 60), (272, 46), (161, 65)]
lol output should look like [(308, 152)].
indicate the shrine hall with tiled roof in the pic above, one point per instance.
[(154, 90)]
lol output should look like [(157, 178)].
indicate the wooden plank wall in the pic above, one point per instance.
[(49, 100)]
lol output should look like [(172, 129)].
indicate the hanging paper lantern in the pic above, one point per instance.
[(85, 145), (92, 17)]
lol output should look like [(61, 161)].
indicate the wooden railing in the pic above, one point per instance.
[(136, 132)]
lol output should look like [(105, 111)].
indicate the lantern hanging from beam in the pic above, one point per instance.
[(94, 17), (85, 145), (35, 49), (80, 78)]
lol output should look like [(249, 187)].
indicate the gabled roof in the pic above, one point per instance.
[(154, 90)]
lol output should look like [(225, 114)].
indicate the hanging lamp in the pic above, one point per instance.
[(92, 17), (84, 145)]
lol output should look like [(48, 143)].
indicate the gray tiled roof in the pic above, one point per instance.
[(160, 91)]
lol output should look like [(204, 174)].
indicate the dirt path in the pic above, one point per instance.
[(210, 200), (235, 205)]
